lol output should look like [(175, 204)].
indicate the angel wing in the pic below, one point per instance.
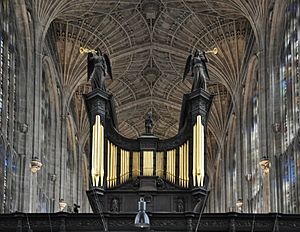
[(187, 66), (205, 60), (108, 65), (90, 65), (205, 70)]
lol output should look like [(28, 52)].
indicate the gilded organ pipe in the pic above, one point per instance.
[(127, 164), (195, 155), (94, 171), (160, 164), (187, 165), (172, 170), (135, 164), (198, 153), (202, 154), (101, 155), (114, 163), (183, 165), (97, 171), (124, 166), (148, 163), (174, 164), (167, 167), (171, 165), (121, 167), (111, 165), (180, 166), (108, 170)]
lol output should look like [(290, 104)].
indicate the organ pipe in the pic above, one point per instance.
[(124, 166), (187, 165), (97, 171), (183, 165), (198, 153), (136, 164), (111, 165), (171, 164), (160, 164), (148, 163)]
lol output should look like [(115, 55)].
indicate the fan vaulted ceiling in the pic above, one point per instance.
[(148, 42)]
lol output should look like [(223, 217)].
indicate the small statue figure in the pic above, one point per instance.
[(114, 205), (180, 205), (160, 183), (98, 67), (149, 123), (76, 207), (197, 64)]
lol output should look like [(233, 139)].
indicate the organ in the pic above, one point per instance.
[(161, 171)]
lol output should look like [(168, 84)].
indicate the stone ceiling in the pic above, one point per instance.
[(148, 42)]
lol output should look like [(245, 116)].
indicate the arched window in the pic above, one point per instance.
[(8, 60), (288, 161), (289, 75), (13, 181), (11, 162), (2, 172), (7, 161)]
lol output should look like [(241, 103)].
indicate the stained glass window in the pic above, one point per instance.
[(1, 74), (8, 86), (289, 80), (6, 165), (289, 74)]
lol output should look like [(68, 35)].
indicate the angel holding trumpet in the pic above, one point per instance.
[(98, 67), (197, 65)]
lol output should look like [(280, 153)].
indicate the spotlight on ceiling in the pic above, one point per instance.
[(142, 219), (35, 165), (265, 164)]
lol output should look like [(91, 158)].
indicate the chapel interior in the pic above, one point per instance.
[(251, 156)]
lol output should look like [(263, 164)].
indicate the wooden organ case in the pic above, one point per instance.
[(170, 174)]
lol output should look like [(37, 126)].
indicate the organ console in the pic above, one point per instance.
[(147, 165)]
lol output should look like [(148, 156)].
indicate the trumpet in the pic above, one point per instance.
[(214, 51), (86, 50)]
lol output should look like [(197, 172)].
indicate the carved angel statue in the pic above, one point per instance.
[(197, 64), (98, 67)]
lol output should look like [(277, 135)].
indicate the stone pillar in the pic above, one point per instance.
[(62, 158)]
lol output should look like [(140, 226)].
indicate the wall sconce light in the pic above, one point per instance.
[(276, 127), (23, 127), (265, 164), (35, 164), (53, 177), (249, 177), (142, 219), (62, 204), (239, 204)]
